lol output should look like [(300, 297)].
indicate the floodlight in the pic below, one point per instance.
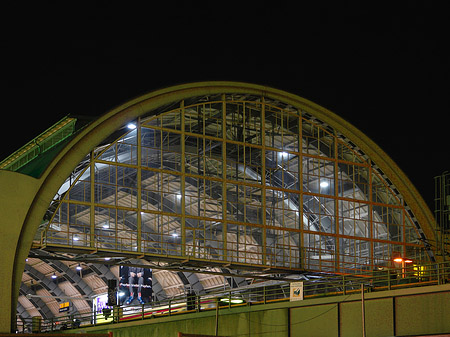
[(324, 184)]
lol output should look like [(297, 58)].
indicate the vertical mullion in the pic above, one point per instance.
[(161, 188), (224, 177), (403, 224), (371, 248), (300, 187), (183, 181), (337, 250), (161, 194), (139, 187), (263, 180), (92, 206)]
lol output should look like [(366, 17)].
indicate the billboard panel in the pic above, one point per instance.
[(99, 303), (135, 286)]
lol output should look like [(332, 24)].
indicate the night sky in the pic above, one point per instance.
[(383, 68)]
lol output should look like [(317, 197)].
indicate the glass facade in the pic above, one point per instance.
[(235, 180)]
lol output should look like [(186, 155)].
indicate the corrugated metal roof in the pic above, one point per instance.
[(71, 291), (28, 306), (43, 267), (169, 280), (211, 281), (26, 278), (49, 301), (96, 283)]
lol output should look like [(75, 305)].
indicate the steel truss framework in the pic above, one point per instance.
[(234, 180)]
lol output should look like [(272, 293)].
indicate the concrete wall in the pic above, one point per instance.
[(405, 312), (16, 195), (24, 200)]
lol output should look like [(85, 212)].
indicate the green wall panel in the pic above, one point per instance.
[(315, 321), (258, 323), (378, 317), (423, 314), (204, 325), (396, 313)]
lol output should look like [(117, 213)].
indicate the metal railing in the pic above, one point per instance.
[(317, 285), (40, 144)]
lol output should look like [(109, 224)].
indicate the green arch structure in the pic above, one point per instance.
[(24, 200)]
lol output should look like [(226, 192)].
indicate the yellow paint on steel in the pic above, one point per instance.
[(80, 145)]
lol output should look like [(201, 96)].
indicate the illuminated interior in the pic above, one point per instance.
[(234, 180)]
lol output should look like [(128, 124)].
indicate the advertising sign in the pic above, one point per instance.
[(99, 303), (296, 291), (135, 286), (65, 306)]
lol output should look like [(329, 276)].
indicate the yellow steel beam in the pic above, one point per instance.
[(82, 143)]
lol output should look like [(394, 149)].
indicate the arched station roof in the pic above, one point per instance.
[(220, 175)]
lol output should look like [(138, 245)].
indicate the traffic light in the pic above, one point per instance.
[(112, 293)]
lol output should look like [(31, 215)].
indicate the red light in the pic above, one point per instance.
[(398, 259), (408, 261)]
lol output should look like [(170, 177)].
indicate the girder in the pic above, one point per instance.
[(191, 281), (71, 276), (38, 303), (158, 290), (47, 283), (255, 200), (189, 179), (23, 313), (281, 175)]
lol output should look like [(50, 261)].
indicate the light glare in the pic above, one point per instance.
[(233, 300), (324, 184)]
